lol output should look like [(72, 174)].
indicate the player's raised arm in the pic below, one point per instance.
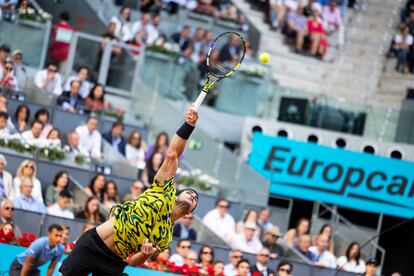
[(177, 146)]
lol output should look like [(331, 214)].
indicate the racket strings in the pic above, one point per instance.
[(226, 52)]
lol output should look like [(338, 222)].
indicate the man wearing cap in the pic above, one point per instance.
[(270, 242), (246, 241), (371, 267)]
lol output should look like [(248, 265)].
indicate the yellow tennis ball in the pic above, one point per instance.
[(264, 57)]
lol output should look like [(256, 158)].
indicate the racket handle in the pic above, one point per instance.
[(199, 100)]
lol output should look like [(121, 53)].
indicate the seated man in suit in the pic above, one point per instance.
[(261, 266), (182, 38), (183, 230), (70, 100), (115, 137)]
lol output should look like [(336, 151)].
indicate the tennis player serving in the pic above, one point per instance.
[(137, 229)]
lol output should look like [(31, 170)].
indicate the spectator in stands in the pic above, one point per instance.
[(297, 27), (70, 100), (25, 200), (95, 101), (182, 38), (4, 53), (284, 268), (183, 229), (27, 169), (7, 78), (218, 268), (6, 179), (19, 68), (135, 151), (371, 267), (53, 138), (6, 215), (247, 241), (4, 128), (41, 251), (303, 247), (292, 236), (7, 9), (122, 24), (196, 45), (352, 260), (96, 187), (263, 222), (142, 26), (116, 138), (326, 230), (6, 233), (81, 76), (150, 6), (65, 239), (235, 256), (153, 30), (243, 268), (160, 145), (319, 44), (206, 259), (60, 183), (332, 18), (137, 188), (111, 197), (250, 217), (190, 266), (73, 143), (60, 41), (21, 118), (60, 208), (42, 115), (262, 260), (32, 136), (49, 80), (153, 165), (91, 211), (208, 7), (89, 138), (324, 258), (402, 43), (183, 247), (220, 221), (270, 242)]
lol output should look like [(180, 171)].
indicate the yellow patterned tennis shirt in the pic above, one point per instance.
[(147, 217)]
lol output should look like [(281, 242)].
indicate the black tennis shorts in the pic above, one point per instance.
[(91, 255)]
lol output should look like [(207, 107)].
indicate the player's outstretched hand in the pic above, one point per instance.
[(148, 249), (191, 116)]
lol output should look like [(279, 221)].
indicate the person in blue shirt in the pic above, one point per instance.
[(26, 201), (41, 251), (303, 247)]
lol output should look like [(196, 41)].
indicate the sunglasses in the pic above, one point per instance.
[(185, 246), (8, 68), (264, 255), (9, 208), (30, 167), (52, 70), (237, 257), (207, 252), (224, 206), (288, 271)]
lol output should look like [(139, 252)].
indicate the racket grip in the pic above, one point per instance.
[(199, 100)]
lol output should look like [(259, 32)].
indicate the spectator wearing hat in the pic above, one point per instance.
[(19, 70), (246, 241), (270, 242), (371, 267)]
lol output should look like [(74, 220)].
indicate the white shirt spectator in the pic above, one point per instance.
[(136, 157), (351, 266), (29, 138), (327, 259), (177, 259), (230, 270), (54, 86), (399, 39), (240, 242), (56, 210), (89, 142), (224, 227), (84, 88), (36, 192), (122, 29), (153, 34)]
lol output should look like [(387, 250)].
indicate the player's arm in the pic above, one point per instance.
[(177, 146), (147, 251), (26, 266)]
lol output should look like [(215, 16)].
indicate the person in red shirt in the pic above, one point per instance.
[(60, 37), (319, 44)]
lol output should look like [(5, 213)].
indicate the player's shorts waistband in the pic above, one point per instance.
[(103, 247)]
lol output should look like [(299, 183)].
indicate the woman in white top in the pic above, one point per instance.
[(27, 169), (135, 151), (250, 217), (352, 261), (53, 138), (402, 43), (122, 26)]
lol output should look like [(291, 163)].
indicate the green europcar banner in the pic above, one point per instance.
[(337, 176)]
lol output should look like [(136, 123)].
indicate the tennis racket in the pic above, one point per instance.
[(225, 55)]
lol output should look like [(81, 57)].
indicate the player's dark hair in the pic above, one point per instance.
[(192, 190), (180, 241), (65, 193), (242, 261), (222, 199), (54, 226)]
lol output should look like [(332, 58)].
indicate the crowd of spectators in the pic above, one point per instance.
[(402, 46)]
